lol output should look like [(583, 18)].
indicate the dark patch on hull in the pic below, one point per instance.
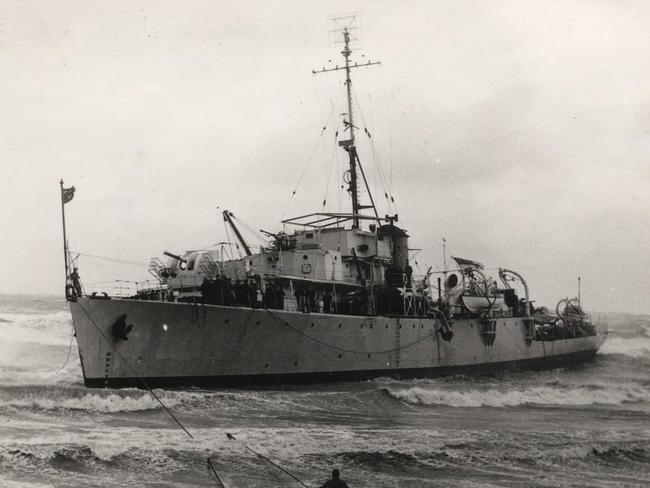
[(332, 376)]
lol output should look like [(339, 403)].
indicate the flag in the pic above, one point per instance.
[(67, 194), (467, 264)]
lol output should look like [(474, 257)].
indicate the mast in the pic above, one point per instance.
[(349, 144), (351, 149)]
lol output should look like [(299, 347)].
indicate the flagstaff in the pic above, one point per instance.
[(65, 241), (67, 194)]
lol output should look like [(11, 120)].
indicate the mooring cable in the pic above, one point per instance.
[(286, 471), (214, 471), (69, 353)]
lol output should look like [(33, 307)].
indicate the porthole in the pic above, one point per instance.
[(305, 257), (340, 356), (266, 366), (340, 325), (295, 363)]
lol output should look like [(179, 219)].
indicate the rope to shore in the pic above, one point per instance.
[(69, 353), (144, 383), (211, 467)]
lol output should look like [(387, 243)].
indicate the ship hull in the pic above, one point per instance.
[(182, 345)]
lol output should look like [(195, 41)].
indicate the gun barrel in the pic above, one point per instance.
[(175, 256)]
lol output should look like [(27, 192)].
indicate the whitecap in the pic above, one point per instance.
[(53, 400), (634, 347), (538, 395)]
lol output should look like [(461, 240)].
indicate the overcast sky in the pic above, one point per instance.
[(518, 130)]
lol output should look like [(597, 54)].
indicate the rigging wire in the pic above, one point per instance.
[(382, 81), (115, 260), (373, 149), (372, 121), (251, 230), (330, 167), (304, 170), (328, 121), (388, 194)]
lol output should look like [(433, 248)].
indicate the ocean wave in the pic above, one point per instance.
[(6, 483), (539, 395), (385, 460), (615, 453), (61, 399), (83, 458), (47, 329), (632, 453), (39, 319), (633, 347)]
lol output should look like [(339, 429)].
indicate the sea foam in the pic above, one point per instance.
[(540, 395), (54, 400), (635, 347)]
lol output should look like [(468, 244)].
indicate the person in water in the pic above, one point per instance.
[(336, 481)]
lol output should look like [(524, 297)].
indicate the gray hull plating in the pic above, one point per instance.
[(178, 344)]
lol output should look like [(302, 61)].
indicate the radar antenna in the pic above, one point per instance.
[(347, 24)]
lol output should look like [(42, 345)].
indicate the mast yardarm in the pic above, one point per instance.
[(349, 144)]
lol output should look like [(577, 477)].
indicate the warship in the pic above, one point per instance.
[(331, 297)]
